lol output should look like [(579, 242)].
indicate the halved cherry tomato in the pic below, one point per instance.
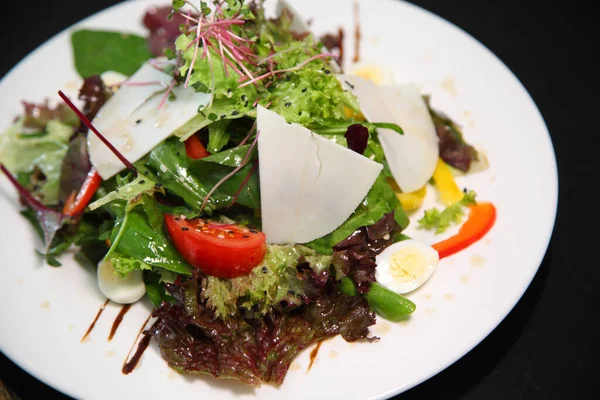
[(195, 149), (224, 251), (76, 203)]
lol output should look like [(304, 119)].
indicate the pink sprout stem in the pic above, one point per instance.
[(232, 173), (167, 93), (243, 142), (281, 71), (187, 79)]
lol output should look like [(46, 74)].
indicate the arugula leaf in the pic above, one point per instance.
[(452, 215), (156, 293), (96, 51), (169, 166), (218, 135), (380, 200), (232, 157), (130, 192), (244, 183)]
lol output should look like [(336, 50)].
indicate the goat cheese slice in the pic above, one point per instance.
[(308, 185)]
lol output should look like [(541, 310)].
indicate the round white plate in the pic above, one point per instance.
[(45, 311)]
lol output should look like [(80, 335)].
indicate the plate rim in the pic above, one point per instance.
[(552, 202)]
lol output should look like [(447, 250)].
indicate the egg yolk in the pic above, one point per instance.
[(407, 264)]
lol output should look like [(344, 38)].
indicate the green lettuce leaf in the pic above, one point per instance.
[(272, 282), (22, 153), (440, 221)]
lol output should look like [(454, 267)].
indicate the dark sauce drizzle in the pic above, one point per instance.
[(357, 35), (313, 354), (118, 320), (130, 364), (95, 320)]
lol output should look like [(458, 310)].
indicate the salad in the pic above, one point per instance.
[(229, 170)]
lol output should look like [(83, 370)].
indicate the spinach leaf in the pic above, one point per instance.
[(96, 51), (134, 238), (169, 165), (380, 200)]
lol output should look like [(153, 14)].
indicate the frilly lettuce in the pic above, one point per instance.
[(440, 221), (272, 282)]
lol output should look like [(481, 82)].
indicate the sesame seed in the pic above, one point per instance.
[(221, 236), (142, 181), (235, 112), (288, 104), (138, 121), (177, 218), (304, 90), (245, 236), (185, 229)]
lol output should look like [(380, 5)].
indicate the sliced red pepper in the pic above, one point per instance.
[(75, 204), (195, 149), (480, 221)]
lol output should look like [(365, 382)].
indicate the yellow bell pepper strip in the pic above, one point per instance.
[(445, 183), (410, 201), (480, 221)]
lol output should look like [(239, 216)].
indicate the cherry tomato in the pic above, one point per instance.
[(195, 149), (224, 251)]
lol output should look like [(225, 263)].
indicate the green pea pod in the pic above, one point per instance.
[(389, 305)]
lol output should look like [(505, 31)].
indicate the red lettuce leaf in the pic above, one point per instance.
[(355, 255), (94, 94), (163, 29), (75, 167), (49, 220), (37, 116), (254, 351), (454, 150)]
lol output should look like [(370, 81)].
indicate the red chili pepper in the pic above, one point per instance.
[(75, 204), (480, 221), (195, 149)]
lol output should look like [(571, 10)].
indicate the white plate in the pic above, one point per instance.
[(45, 311)]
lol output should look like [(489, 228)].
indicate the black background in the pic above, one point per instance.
[(547, 346)]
